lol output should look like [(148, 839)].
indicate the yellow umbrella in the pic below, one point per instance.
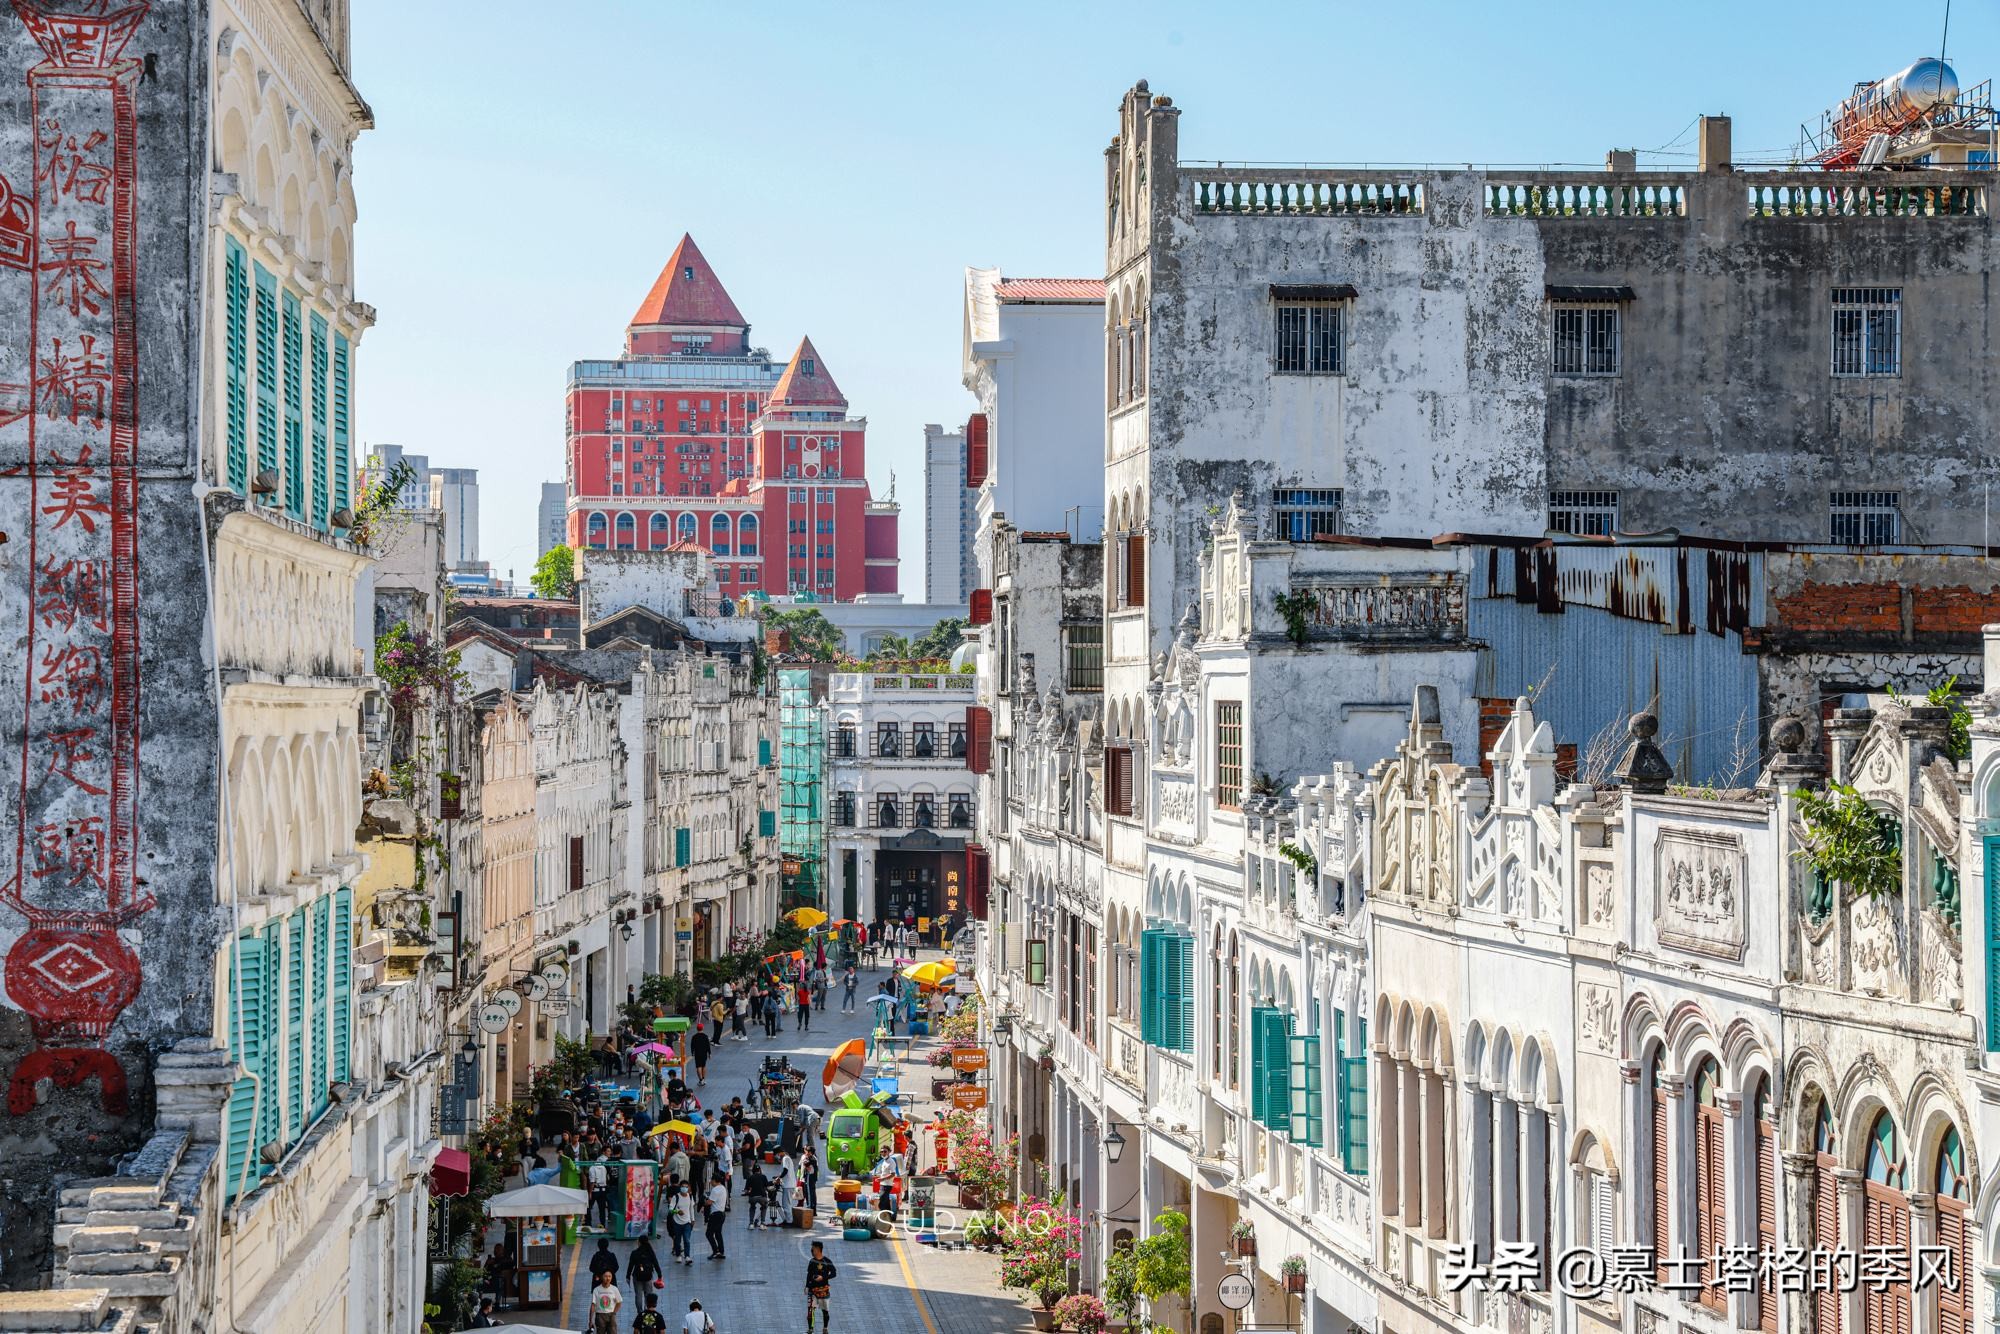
[(806, 918), (674, 1128), (930, 974)]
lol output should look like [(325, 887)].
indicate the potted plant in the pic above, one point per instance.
[(1083, 1312), (1294, 1272), (983, 1231), (1245, 1236)]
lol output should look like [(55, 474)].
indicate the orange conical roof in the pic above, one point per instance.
[(807, 383), (688, 292)]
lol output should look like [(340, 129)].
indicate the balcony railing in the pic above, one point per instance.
[(1285, 192), (1586, 199), (1412, 611), (1855, 197)]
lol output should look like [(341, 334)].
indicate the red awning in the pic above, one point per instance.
[(451, 1174)]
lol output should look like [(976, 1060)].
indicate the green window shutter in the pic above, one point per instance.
[(322, 947), (1149, 986), (295, 448), (767, 823), (271, 1109), (246, 1048), (1340, 1084), (267, 370), (318, 404), (764, 751), (683, 842), (295, 1026), (236, 361), (341, 466), (343, 981), (1990, 847), (1354, 1107), (1308, 1112), (1258, 1084), (1278, 1070), (1184, 992)]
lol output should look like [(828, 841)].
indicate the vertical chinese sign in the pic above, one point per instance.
[(72, 246)]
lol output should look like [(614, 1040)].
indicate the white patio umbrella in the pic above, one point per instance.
[(538, 1202)]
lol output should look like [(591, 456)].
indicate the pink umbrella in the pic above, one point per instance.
[(656, 1049)]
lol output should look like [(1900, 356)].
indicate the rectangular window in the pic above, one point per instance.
[(1309, 339), (1306, 1116), (295, 440), (1584, 513), (247, 1047), (1229, 754), (267, 370), (1038, 963), (1867, 331), (888, 739), (340, 457), (1083, 657), (923, 741), (1118, 780), (1584, 340), (318, 405), (1351, 1073), (1301, 515), (236, 357), (1865, 518)]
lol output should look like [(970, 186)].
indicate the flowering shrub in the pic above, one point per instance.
[(1038, 1249), (961, 1028), (981, 1164), (416, 672), (1082, 1312)]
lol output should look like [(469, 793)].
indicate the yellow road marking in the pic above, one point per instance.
[(910, 1281), (569, 1279)]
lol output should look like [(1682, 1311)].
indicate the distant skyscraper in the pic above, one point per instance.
[(455, 492), (416, 492), (552, 519), (949, 572)]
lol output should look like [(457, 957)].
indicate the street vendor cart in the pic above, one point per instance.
[(532, 1215)]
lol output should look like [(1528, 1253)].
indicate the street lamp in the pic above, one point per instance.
[(1114, 1146), (468, 1055), (1003, 1030), (625, 932)]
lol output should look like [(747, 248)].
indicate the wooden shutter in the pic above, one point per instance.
[(977, 876), (1826, 1237), (1662, 1238), (267, 370), (767, 824), (1711, 1203), (1118, 780), (576, 864), (294, 401), (683, 852), (317, 406), (341, 466), (1885, 1221), (1955, 1304), (1135, 569), (1354, 1111), (1603, 1214), (1184, 992), (317, 1097), (1766, 1140), (1257, 1064), (246, 1048), (976, 451), (1991, 848), (343, 982), (978, 739), (1149, 986), (236, 359), (979, 607)]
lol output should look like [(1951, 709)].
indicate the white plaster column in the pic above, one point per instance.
[(1506, 1171), (1853, 1191), (1412, 1101), (1680, 1168)]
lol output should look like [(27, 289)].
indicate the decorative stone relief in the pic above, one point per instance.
[(1876, 947), (1940, 981), (1698, 892), (1597, 906), (1177, 801), (1597, 1017)]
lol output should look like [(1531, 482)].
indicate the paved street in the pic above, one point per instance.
[(890, 1287)]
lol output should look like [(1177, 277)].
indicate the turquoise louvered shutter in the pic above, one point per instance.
[(295, 1025), (1257, 1081), (295, 448), (1277, 1054), (1354, 1106), (1307, 1114), (683, 841), (1148, 988), (318, 405), (1183, 992), (270, 1109), (267, 370), (236, 363), (246, 1048), (763, 750), (1170, 990), (343, 981), (767, 823), (317, 1097), (341, 463), (1990, 847)]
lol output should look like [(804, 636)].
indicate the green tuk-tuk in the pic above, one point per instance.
[(858, 1133)]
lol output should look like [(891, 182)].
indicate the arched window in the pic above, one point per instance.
[(1764, 1177), (688, 528), (1711, 1186), (659, 531), (596, 531), (1826, 1214), (746, 535), (718, 534), (627, 532), (1954, 1197), (1885, 1221), (1658, 1183)]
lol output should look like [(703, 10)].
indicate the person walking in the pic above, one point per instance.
[(697, 1321), (788, 1187), (820, 1274), (680, 1222), (641, 1268), (738, 1019), (756, 1190), (599, 1180), (650, 1320), (774, 1013), (698, 1048), (718, 1209), (605, 1302), (848, 981), (718, 1010), (805, 1019)]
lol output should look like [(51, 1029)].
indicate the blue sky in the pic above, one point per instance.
[(531, 168)]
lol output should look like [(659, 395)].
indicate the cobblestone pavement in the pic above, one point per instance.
[(894, 1286)]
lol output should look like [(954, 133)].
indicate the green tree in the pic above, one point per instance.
[(893, 648), (555, 574), (812, 633), (941, 640)]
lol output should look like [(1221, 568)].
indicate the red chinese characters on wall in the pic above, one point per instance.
[(73, 246)]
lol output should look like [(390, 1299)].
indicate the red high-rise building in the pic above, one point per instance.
[(694, 436)]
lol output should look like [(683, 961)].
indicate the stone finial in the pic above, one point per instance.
[(1644, 767), (1793, 763)]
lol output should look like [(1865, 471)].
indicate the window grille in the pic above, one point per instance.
[(1229, 754), (1867, 331), (1309, 339), (1866, 518), (1585, 513), (1083, 654), (1301, 515), (1584, 340)]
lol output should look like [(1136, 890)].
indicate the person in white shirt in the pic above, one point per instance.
[(697, 1321), (718, 1207), (605, 1301)]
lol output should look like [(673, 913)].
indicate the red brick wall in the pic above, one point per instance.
[(1879, 608)]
